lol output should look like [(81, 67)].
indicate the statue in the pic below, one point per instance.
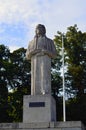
[(40, 50)]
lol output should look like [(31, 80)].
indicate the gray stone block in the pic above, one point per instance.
[(39, 108), (69, 125), (71, 129), (9, 125), (40, 125)]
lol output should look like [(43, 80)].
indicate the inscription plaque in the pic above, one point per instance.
[(37, 104)]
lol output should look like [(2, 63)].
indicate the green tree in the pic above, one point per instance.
[(75, 61), (4, 58), (14, 75), (76, 58), (75, 64), (22, 68), (21, 83)]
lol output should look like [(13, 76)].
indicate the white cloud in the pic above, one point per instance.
[(54, 14), (13, 48), (34, 11)]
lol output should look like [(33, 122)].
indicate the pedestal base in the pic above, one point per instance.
[(69, 125), (39, 108)]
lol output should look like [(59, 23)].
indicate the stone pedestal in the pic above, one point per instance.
[(39, 108)]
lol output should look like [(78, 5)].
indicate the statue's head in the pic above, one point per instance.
[(40, 30)]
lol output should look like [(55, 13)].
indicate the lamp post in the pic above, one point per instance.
[(64, 111)]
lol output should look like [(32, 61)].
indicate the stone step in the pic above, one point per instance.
[(69, 125)]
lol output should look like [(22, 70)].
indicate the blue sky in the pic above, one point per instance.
[(18, 19)]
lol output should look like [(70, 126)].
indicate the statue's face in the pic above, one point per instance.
[(37, 31), (40, 30)]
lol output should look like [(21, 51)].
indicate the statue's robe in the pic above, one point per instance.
[(40, 51)]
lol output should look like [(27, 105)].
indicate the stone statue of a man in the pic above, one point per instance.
[(40, 50)]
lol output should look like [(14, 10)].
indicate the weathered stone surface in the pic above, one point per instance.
[(41, 75), (46, 113), (40, 125), (41, 43), (40, 50), (69, 125), (9, 125), (40, 107)]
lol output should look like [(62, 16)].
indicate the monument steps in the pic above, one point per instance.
[(69, 125)]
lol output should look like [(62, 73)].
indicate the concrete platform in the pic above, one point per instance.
[(39, 108), (69, 125)]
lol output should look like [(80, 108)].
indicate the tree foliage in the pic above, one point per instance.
[(76, 53), (75, 74), (75, 59), (15, 76)]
